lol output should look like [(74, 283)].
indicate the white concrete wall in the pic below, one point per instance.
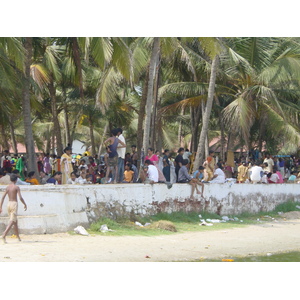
[(61, 208)]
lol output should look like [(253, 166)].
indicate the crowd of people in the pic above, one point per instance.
[(119, 166)]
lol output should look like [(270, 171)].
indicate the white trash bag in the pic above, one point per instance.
[(80, 230)]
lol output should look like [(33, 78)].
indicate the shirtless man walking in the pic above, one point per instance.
[(12, 191)]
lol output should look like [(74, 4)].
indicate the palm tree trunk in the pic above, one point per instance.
[(180, 129), (152, 73), (222, 127), (13, 136), (92, 137), (4, 136), (66, 119), (141, 119), (77, 61), (56, 125), (153, 130), (206, 116), (102, 139), (26, 107)]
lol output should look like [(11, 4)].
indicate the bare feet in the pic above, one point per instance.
[(3, 239)]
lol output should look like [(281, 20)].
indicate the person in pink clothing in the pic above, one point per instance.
[(280, 176), (151, 156), (154, 159)]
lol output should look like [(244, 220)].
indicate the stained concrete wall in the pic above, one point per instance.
[(62, 208)]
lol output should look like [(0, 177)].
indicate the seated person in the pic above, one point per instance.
[(89, 179), (72, 179), (149, 173), (128, 174), (292, 178), (184, 177), (219, 175), (273, 177), (199, 174), (56, 178), (44, 177), (82, 178), (32, 179)]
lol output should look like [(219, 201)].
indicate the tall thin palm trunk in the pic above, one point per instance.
[(29, 141), (206, 116), (56, 125), (152, 70), (13, 136), (141, 119)]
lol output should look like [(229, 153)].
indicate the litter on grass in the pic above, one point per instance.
[(80, 230), (104, 228)]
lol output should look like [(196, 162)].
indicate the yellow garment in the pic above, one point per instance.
[(12, 209), (66, 167), (128, 175), (210, 168), (33, 181), (242, 173)]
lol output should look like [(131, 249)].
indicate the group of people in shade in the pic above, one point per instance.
[(119, 166)]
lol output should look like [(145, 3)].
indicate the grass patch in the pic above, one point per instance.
[(185, 222)]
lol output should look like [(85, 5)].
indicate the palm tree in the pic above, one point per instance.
[(264, 72)]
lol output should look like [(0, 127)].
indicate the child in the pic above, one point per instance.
[(128, 174), (12, 191), (72, 179)]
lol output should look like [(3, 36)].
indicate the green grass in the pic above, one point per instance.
[(185, 222)]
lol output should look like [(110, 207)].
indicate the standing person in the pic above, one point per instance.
[(242, 172), (281, 167), (13, 191), (134, 155), (166, 163), (92, 168), (121, 155), (178, 161), (46, 164), (187, 154), (4, 157), (256, 173), (270, 163), (184, 177), (209, 165), (53, 163), (66, 165), (113, 154), (21, 167)]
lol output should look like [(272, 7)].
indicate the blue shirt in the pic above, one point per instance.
[(200, 175)]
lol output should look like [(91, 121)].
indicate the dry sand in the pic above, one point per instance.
[(272, 237)]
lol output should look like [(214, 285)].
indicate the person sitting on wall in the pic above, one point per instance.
[(184, 177), (32, 179), (56, 178), (149, 173), (219, 175)]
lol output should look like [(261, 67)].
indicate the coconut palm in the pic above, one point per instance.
[(264, 72)]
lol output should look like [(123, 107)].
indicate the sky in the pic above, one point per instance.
[(137, 19)]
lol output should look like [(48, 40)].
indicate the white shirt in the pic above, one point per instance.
[(270, 163), (121, 151), (255, 173), (274, 177), (152, 173), (220, 178)]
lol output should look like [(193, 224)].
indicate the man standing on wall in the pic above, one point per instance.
[(121, 156)]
